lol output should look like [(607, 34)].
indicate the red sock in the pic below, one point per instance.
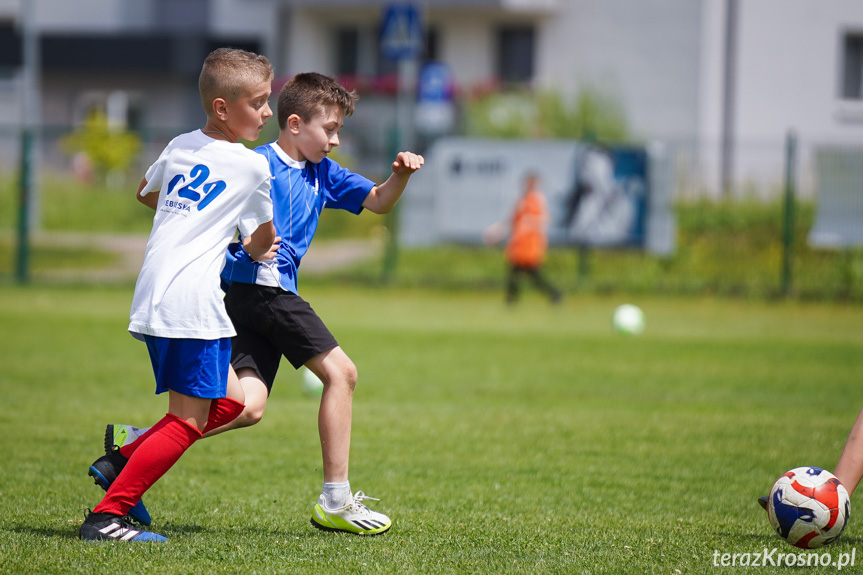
[(128, 449), (156, 454), (222, 412)]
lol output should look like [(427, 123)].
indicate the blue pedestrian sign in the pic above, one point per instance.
[(401, 31), (435, 83), (435, 113)]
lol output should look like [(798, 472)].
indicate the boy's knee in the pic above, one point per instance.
[(351, 376), (345, 374), (252, 413)]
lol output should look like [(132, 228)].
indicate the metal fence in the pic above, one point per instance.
[(764, 237)]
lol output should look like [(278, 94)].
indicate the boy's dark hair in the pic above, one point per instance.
[(309, 93), (229, 73)]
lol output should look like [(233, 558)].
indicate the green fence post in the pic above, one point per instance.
[(788, 228), (583, 263), (391, 249), (22, 268)]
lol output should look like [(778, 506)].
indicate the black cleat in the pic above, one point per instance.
[(109, 527), (105, 470)]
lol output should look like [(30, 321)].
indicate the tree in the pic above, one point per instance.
[(109, 150)]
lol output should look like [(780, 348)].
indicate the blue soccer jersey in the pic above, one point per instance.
[(300, 191)]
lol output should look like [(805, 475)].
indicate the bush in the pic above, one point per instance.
[(726, 248), (108, 150), (592, 116)]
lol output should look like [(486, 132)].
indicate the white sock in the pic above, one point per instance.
[(336, 494)]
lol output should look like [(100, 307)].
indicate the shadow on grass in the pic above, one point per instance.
[(182, 526), (241, 532), (773, 539), (44, 532), (171, 530)]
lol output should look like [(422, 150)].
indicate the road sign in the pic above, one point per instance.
[(435, 113), (401, 31)]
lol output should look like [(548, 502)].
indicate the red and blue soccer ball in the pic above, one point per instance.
[(808, 507)]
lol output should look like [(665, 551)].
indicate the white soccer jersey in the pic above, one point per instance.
[(207, 190)]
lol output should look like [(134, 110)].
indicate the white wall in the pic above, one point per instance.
[(467, 46), (788, 74), (645, 53), (10, 8), (787, 78), (77, 16), (253, 18), (308, 43)]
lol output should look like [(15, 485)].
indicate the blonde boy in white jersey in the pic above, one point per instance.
[(209, 186)]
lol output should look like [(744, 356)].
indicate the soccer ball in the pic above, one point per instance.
[(628, 319), (808, 507), (312, 386)]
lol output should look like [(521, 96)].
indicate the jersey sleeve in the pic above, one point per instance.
[(154, 176), (344, 189), (259, 207)]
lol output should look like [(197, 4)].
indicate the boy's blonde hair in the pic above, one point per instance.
[(229, 73), (309, 93)]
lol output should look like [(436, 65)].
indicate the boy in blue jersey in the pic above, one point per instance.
[(271, 319)]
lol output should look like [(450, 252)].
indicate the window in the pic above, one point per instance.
[(11, 53), (357, 56), (852, 68), (515, 48), (432, 41), (347, 50)]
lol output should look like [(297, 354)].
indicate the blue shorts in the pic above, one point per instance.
[(193, 367)]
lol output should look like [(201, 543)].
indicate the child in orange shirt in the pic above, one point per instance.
[(528, 241)]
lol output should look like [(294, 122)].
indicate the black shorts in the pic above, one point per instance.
[(270, 323)]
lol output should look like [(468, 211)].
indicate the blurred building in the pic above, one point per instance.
[(723, 79)]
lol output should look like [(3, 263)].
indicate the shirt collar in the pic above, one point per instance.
[(286, 158)]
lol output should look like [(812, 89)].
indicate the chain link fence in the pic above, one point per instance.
[(791, 226)]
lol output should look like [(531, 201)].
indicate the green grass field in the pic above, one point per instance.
[(531, 439)]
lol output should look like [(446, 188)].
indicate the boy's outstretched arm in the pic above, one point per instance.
[(262, 244), (382, 198)]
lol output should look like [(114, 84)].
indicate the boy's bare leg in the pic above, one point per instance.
[(849, 470), (339, 376), (196, 410), (337, 508), (192, 410), (255, 393)]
